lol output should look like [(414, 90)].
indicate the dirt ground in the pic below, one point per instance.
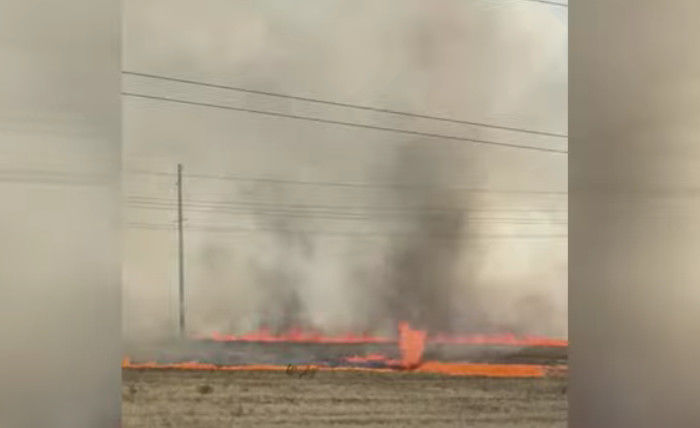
[(170, 398)]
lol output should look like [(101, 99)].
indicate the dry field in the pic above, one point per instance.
[(199, 399)]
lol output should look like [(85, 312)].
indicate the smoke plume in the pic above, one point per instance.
[(397, 243)]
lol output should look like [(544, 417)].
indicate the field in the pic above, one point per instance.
[(215, 399)]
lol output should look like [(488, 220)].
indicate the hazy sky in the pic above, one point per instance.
[(491, 61)]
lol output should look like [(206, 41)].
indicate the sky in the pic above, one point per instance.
[(366, 247)]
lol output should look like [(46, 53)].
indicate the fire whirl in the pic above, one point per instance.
[(411, 345)]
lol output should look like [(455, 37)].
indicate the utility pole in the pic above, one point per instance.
[(180, 256)]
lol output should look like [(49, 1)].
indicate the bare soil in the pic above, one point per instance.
[(210, 399)]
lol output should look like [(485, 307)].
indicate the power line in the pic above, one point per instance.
[(226, 229), (55, 182), (551, 3), (355, 217), (342, 104), (395, 186), (343, 208), (425, 216), (342, 123), (356, 214), (56, 177)]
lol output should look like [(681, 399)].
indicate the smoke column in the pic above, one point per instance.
[(502, 64)]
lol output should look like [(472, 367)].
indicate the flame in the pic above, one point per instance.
[(298, 335), (499, 339), (434, 367), (490, 370), (371, 358), (411, 344)]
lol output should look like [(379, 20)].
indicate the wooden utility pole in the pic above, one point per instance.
[(180, 256)]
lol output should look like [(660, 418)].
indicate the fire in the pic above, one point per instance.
[(411, 344), (491, 370), (433, 367), (298, 335), (371, 358), (499, 339)]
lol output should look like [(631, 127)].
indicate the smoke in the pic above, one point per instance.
[(290, 280), (422, 275), (279, 281), (339, 258)]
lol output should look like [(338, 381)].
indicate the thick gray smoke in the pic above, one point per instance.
[(339, 258), (279, 285), (421, 240), (423, 278)]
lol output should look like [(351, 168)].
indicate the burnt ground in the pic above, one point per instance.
[(236, 353), (211, 399)]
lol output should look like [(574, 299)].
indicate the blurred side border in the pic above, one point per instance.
[(634, 103), (60, 256)]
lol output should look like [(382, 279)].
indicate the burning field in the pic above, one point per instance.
[(301, 378), (412, 350), (422, 323)]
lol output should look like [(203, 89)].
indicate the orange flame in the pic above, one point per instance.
[(370, 358), (499, 339), (435, 367), (411, 344), (297, 335), (491, 370)]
